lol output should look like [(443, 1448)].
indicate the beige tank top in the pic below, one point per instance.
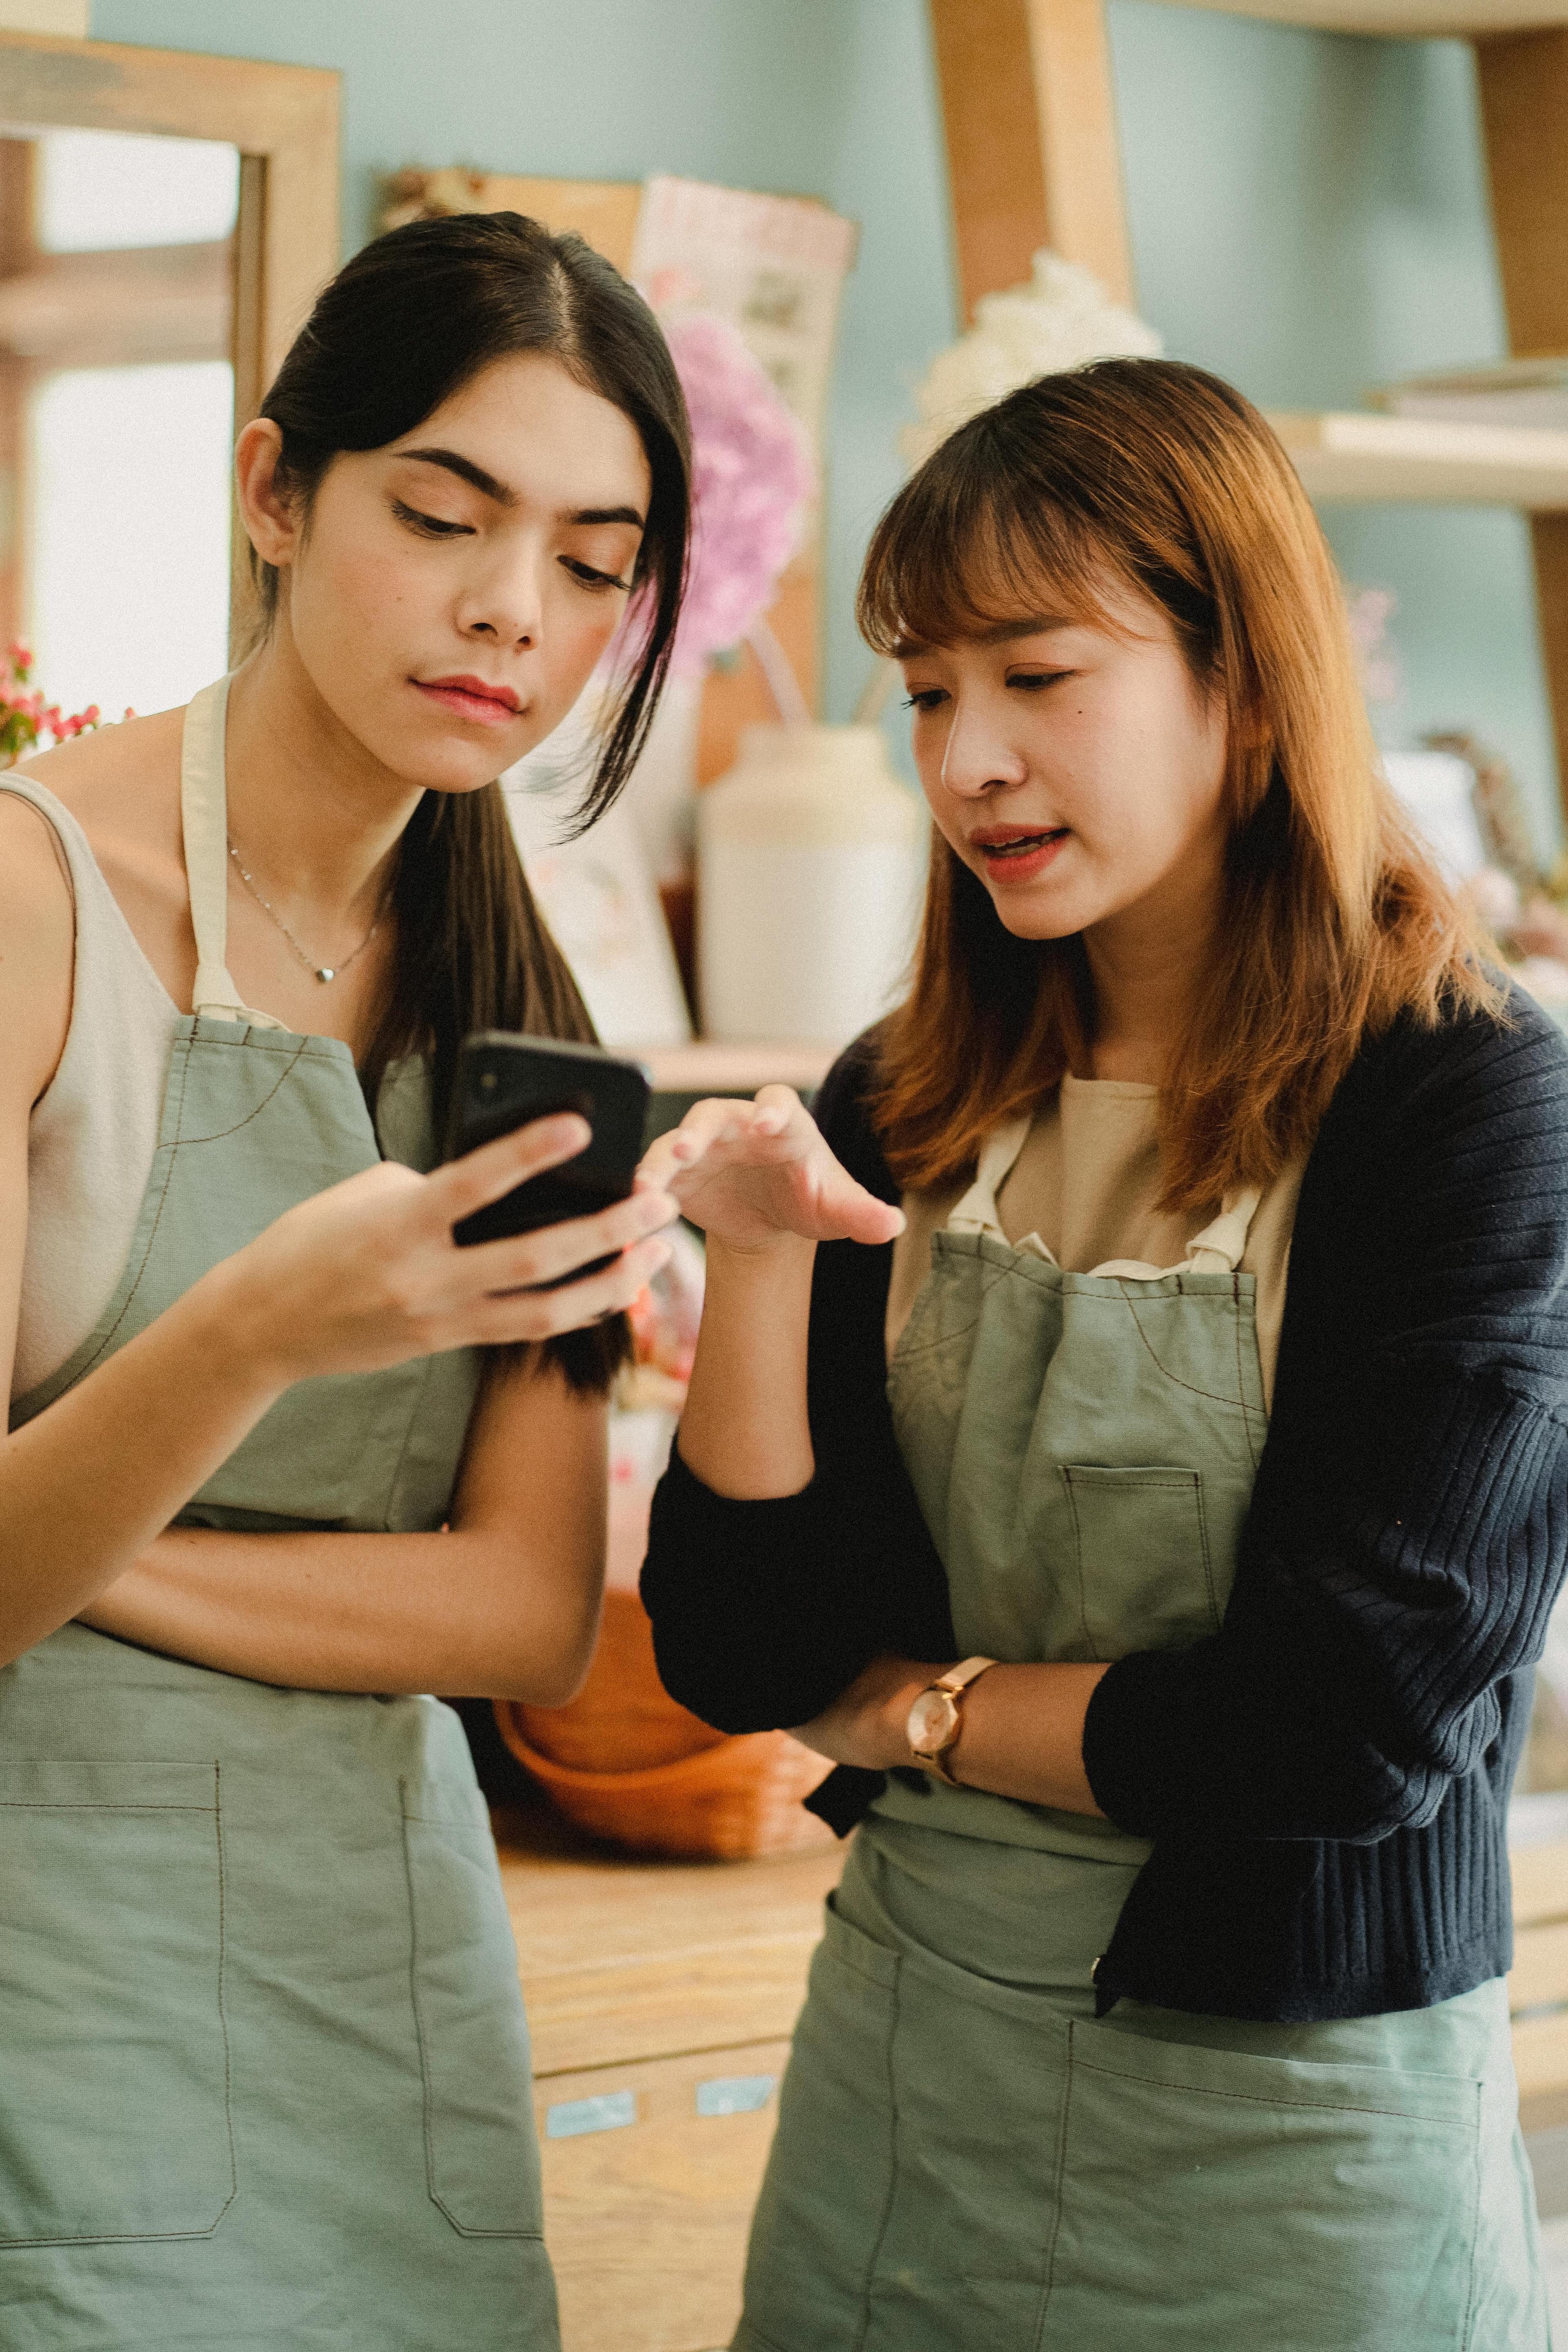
[(1084, 1186), (94, 1131)]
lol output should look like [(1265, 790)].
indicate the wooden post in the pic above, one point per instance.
[(17, 162), (1524, 112), (1029, 113)]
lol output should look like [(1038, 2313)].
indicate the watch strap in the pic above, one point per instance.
[(955, 1682), (958, 1678)]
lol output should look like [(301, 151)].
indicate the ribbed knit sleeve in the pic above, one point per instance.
[(1407, 1533), (765, 1611)]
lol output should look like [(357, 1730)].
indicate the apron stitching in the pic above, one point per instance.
[(1256, 2099), (463, 2229), (220, 1134), (414, 2000), (1471, 2310), (882, 2225), (1204, 1541), (222, 2012), (1241, 1369), (997, 1276), (1078, 1551), (1058, 2200), (1210, 1396), (80, 1805), (182, 1057)]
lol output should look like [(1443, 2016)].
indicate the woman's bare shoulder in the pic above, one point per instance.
[(116, 774)]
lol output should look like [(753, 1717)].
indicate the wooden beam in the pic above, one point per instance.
[(284, 122), (1034, 157), (1407, 20), (1524, 81), (17, 170), (1524, 112), (287, 115), (116, 309)]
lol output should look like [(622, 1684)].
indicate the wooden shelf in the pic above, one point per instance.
[(1401, 19), (1347, 457), (712, 1066)]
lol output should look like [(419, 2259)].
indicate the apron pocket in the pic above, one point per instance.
[(978, 2074), (1145, 1578), (114, 2080), (481, 2156), (824, 2197), (1214, 2197)]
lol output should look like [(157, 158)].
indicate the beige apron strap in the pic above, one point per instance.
[(203, 817), (1224, 1241), (976, 1213), (1218, 1249)]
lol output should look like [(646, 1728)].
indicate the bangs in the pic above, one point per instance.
[(959, 554)]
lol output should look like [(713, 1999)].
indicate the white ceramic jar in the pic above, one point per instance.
[(810, 858)]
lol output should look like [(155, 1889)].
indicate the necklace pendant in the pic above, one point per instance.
[(325, 972)]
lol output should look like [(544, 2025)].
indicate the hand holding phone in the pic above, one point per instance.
[(504, 1082)]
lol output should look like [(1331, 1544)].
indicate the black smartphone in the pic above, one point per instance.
[(505, 1082)]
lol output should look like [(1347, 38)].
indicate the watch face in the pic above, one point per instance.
[(932, 1722)]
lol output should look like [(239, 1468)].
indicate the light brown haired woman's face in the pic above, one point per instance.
[(1074, 766)]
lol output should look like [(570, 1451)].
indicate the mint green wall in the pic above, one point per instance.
[(1308, 217)]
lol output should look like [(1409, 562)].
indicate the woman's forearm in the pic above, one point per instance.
[(462, 1614), (88, 1486), (1021, 1733), (744, 1430), (503, 1605)]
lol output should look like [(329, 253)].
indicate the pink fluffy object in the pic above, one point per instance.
[(751, 482)]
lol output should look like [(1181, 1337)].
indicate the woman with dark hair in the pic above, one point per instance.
[(282, 1458), (1166, 1324)]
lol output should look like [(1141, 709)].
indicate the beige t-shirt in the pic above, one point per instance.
[(1084, 1183)]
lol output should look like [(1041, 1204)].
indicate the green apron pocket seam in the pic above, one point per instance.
[(113, 2073), (482, 2159)]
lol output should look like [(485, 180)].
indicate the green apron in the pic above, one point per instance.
[(968, 2160), (264, 2071)]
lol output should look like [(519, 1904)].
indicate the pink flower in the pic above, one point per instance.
[(752, 484)]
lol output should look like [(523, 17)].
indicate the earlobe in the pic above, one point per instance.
[(267, 517)]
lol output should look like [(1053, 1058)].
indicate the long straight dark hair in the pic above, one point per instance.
[(404, 325)]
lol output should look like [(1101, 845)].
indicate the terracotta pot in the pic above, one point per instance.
[(627, 1763)]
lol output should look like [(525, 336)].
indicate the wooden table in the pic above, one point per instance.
[(660, 1997)]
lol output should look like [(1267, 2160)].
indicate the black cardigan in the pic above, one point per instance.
[(1325, 1780)]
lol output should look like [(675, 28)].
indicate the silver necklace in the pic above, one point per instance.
[(324, 971)]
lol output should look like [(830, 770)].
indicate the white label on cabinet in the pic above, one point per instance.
[(734, 2095), (611, 2111)]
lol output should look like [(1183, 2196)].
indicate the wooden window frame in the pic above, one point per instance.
[(284, 122)]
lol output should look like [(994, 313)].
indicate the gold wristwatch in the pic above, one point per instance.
[(936, 1718)]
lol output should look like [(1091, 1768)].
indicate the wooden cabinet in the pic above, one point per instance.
[(660, 1997)]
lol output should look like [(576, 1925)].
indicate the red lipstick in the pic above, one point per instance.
[(471, 697), (1018, 853)]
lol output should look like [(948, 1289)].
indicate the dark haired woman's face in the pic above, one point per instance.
[(1073, 766), (450, 594)]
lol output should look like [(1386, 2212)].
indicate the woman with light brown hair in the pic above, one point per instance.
[(1163, 1320)]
